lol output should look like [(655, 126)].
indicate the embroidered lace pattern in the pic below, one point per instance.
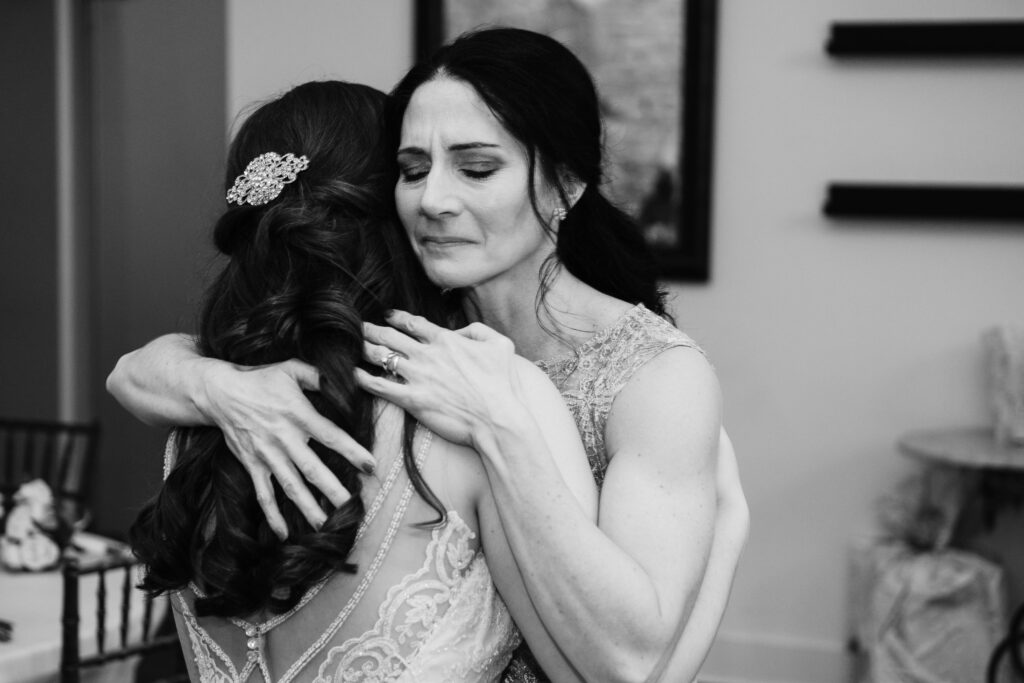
[(589, 379), (593, 375), (444, 621), (452, 587)]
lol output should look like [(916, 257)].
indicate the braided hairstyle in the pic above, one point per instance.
[(302, 273)]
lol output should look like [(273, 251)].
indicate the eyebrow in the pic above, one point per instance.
[(461, 147)]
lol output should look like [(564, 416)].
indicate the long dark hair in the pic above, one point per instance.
[(545, 98), (303, 272)]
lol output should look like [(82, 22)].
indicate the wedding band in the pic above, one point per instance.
[(390, 363)]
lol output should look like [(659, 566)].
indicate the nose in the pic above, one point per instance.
[(439, 197)]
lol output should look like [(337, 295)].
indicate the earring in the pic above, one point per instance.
[(558, 215)]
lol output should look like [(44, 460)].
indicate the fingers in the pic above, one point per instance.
[(479, 332), (332, 436), (383, 388), (381, 355), (414, 325), (304, 374), (261, 480), (391, 338)]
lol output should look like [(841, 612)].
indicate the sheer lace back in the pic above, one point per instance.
[(421, 605)]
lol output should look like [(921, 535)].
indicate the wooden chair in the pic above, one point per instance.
[(134, 633), (61, 454)]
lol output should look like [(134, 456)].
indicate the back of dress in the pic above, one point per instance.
[(420, 607)]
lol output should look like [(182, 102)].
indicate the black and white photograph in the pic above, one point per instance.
[(466, 341)]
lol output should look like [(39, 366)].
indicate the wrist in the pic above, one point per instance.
[(204, 377), (509, 421)]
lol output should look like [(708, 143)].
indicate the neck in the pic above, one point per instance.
[(570, 313)]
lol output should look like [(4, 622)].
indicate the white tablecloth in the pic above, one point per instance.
[(32, 602)]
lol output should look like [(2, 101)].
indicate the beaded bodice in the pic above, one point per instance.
[(421, 607), (594, 373), (589, 379)]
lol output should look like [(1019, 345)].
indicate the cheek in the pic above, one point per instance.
[(406, 203)]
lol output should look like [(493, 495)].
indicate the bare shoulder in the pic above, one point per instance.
[(672, 405)]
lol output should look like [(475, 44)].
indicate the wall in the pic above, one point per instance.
[(832, 338), (366, 41), (159, 143), (168, 76), (28, 227)]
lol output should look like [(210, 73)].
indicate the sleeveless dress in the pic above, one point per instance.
[(421, 607), (589, 379)]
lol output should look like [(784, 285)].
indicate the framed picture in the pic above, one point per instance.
[(653, 62)]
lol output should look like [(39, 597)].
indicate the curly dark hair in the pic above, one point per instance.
[(302, 274)]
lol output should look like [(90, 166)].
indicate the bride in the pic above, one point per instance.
[(401, 581)]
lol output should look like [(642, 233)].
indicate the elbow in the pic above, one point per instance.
[(636, 663), (117, 381), (121, 385)]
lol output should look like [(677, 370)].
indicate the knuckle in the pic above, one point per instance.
[(290, 488)]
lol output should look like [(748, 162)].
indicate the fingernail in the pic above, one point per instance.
[(369, 468)]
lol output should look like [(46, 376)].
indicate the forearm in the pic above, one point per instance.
[(162, 383), (575, 574), (695, 636)]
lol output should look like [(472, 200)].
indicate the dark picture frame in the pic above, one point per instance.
[(681, 235)]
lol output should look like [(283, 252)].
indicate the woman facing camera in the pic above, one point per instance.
[(393, 585), (497, 143)]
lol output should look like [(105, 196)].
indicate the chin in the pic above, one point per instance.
[(450, 276)]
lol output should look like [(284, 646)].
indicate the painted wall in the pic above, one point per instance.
[(832, 338), (28, 227), (167, 78), (159, 144), (272, 46)]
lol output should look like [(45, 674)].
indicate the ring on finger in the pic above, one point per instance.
[(390, 363)]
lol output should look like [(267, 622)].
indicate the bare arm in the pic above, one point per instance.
[(610, 594), (695, 636), (632, 577), (262, 412), (161, 383), (559, 429)]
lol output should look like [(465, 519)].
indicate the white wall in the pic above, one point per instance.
[(274, 45), (832, 338)]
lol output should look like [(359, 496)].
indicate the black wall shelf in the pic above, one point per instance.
[(883, 200), (927, 39)]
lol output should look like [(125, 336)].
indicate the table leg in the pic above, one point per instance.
[(1009, 646)]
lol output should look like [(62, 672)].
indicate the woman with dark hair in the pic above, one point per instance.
[(499, 167), (393, 584)]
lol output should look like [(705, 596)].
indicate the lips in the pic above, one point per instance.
[(438, 241)]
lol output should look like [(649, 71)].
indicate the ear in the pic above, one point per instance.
[(574, 187)]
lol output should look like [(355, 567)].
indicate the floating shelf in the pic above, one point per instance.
[(880, 200), (927, 39)]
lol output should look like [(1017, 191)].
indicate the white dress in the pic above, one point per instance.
[(421, 606)]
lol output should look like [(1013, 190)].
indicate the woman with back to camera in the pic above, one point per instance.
[(499, 153), (393, 585)]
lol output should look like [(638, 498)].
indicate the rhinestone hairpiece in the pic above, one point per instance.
[(265, 177)]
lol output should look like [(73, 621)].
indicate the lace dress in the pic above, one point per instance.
[(589, 379), (421, 607)]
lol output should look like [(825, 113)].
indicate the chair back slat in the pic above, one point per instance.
[(101, 611), (59, 453), (46, 444), (147, 618), (72, 663), (69, 670), (126, 603)]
